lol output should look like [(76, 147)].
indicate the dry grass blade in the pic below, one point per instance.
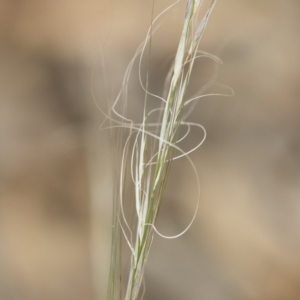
[(152, 150)]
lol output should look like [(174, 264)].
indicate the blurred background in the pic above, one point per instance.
[(56, 168)]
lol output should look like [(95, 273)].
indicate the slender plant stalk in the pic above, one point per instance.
[(148, 153)]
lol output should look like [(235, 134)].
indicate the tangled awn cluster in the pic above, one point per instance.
[(148, 151)]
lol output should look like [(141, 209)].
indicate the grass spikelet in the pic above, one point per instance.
[(148, 152)]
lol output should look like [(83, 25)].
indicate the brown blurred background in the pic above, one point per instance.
[(55, 167)]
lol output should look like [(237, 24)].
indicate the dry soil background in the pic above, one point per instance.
[(55, 169)]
